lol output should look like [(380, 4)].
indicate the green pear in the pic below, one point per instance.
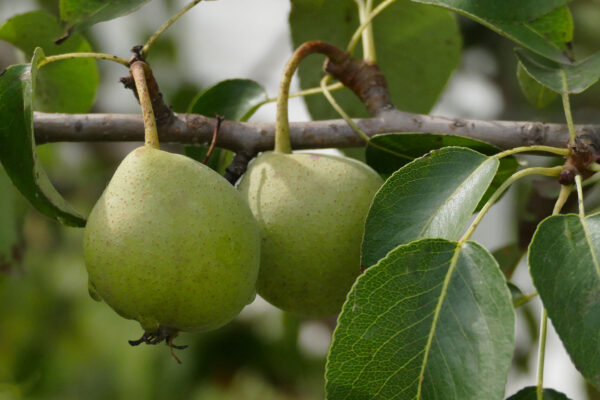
[(172, 244), (311, 210)]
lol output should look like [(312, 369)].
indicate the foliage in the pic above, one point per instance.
[(432, 316)]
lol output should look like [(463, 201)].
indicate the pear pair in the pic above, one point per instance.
[(172, 245)]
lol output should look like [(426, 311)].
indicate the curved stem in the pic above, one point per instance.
[(525, 299), (364, 25), (565, 191), (282, 125), (592, 180), (552, 171), (139, 75), (308, 92), (166, 26), (567, 106), (71, 56), (341, 111), (367, 34), (593, 167), (547, 149)]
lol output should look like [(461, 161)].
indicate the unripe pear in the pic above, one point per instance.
[(172, 244), (311, 210)]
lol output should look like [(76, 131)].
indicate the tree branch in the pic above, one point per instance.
[(252, 137)]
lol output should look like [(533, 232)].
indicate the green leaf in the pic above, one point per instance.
[(519, 298), (80, 14), (548, 34), (564, 261), (234, 99), (388, 152), (556, 27), (8, 226), (580, 75), (529, 393), (432, 320), (433, 196), (417, 48), (64, 86), (508, 258), (17, 146), (538, 95), (505, 10)]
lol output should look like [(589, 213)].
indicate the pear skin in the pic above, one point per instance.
[(172, 244), (311, 210)]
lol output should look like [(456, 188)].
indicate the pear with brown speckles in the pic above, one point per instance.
[(311, 210), (172, 244)]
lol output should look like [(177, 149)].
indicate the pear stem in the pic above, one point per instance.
[(138, 71), (282, 124)]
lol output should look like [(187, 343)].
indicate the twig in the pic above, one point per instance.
[(238, 166), (214, 139), (255, 137)]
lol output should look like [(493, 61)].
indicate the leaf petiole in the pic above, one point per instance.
[(356, 36), (567, 105), (551, 171), (341, 111), (72, 56), (166, 26), (546, 149)]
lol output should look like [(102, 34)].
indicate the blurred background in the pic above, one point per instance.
[(56, 343)]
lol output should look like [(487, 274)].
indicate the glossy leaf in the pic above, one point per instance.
[(417, 48), (431, 321), (64, 86), (17, 146), (579, 75), (548, 34), (529, 393), (508, 258), (433, 196), (233, 99), (388, 152), (506, 10), (537, 94), (80, 14), (564, 260)]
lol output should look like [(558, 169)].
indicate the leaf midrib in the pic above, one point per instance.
[(445, 202), (436, 315)]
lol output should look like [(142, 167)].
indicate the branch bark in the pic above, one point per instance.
[(251, 137)]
